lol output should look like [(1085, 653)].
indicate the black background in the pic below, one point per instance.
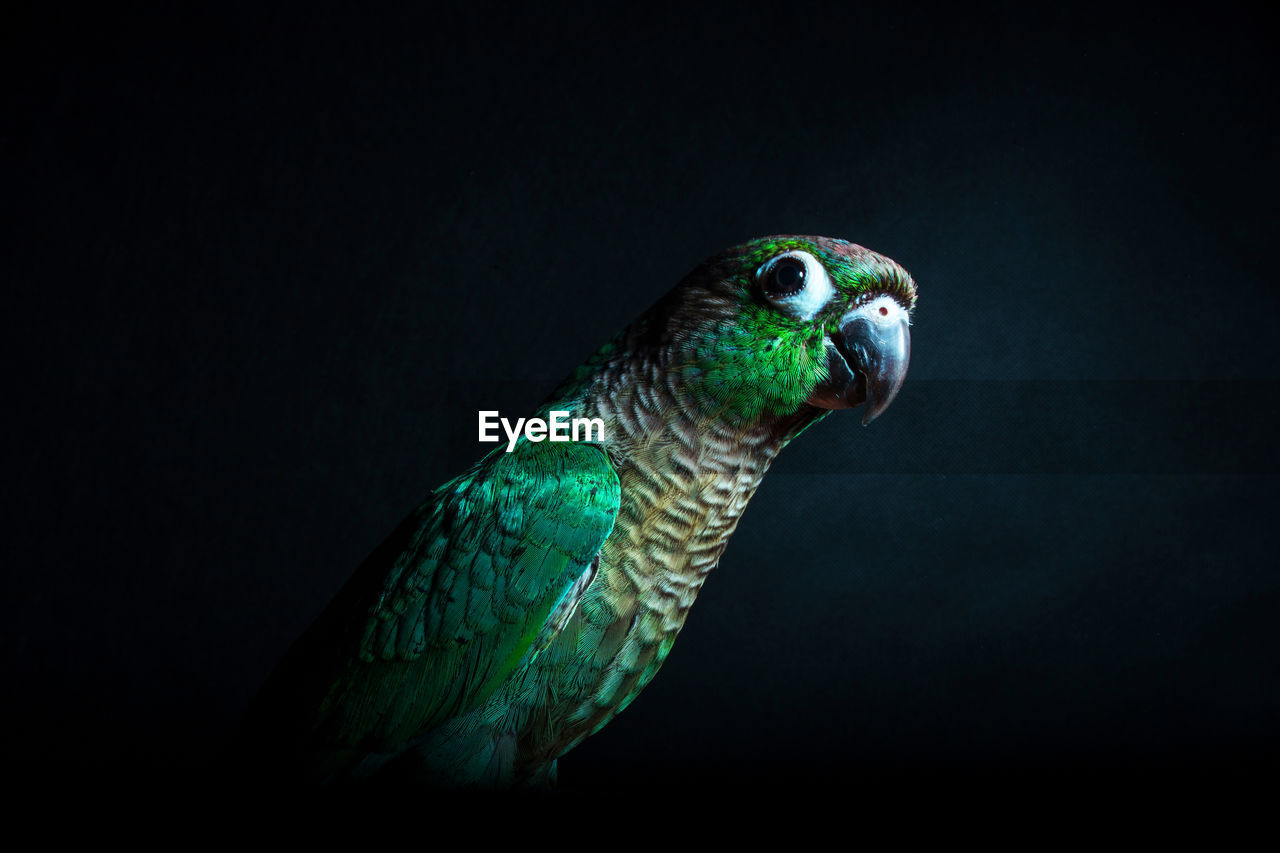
[(263, 266)]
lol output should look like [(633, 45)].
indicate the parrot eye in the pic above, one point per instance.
[(785, 278), (796, 283)]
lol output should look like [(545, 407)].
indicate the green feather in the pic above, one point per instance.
[(521, 527)]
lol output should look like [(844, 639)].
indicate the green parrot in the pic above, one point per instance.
[(529, 600)]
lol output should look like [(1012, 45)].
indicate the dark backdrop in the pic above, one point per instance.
[(263, 266)]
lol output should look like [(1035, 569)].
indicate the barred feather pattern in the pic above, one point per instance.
[(687, 472)]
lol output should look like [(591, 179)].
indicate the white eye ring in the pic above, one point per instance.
[(809, 299)]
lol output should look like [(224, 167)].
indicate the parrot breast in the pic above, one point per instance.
[(685, 480)]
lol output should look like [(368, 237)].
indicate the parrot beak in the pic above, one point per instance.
[(866, 359)]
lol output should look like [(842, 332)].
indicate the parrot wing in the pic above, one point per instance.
[(443, 612)]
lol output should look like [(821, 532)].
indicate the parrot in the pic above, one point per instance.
[(528, 601)]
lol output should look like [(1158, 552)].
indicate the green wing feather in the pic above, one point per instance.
[(443, 612)]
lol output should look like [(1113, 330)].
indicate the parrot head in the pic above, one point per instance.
[(768, 327)]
